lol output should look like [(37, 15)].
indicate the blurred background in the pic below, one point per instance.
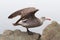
[(47, 8)]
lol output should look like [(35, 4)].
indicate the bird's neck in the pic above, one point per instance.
[(42, 21)]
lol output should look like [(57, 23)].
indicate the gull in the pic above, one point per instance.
[(28, 18)]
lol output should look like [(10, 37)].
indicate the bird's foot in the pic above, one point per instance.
[(30, 33), (15, 24)]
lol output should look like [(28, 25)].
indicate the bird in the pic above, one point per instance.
[(28, 18)]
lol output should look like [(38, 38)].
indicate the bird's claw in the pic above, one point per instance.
[(30, 33)]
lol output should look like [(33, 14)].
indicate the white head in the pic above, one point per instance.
[(44, 18)]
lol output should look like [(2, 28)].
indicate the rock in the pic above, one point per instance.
[(17, 32), (7, 32), (51, 32), (0, 35), (18, 35)]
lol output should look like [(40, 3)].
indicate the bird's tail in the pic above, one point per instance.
[(14, 14)]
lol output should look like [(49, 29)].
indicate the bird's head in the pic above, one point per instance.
[(44, 18)]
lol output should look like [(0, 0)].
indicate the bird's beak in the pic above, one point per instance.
[(48, 19)]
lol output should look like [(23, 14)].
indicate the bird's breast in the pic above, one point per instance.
[(30, 23)]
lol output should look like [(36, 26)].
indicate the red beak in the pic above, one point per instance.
[(48, 19)]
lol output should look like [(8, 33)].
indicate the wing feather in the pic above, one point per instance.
[(30, 11), (15, 14)]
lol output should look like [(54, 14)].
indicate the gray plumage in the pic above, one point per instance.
[(24, 12), (28, 18)]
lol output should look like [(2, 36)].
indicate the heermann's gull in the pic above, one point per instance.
[(28, 18)]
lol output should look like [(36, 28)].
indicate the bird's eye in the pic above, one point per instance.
[(24, 21)]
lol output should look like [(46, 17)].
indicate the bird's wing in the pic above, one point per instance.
[(15, 14), (24, 12), (28, 11)]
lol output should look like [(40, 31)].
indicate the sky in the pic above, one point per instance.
[(47, 8)]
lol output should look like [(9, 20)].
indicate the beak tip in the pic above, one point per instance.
[(48, 19)]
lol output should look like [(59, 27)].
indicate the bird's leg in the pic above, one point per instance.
[(29, 32)]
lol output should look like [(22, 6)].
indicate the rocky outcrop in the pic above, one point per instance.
[(18, 35), (51, 32)]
